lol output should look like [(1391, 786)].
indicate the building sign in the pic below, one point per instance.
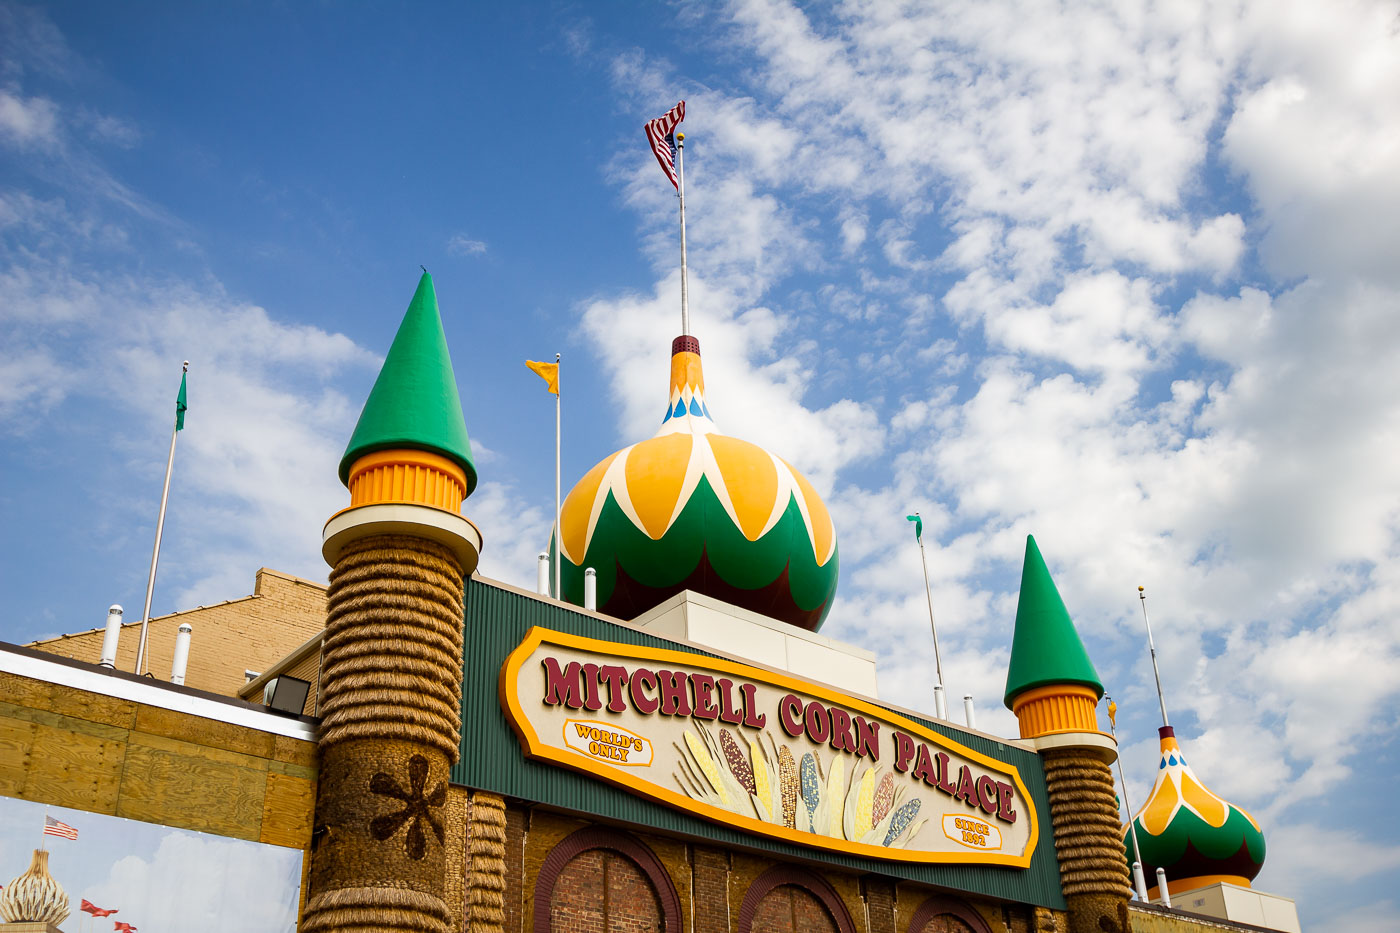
[(764, 752)]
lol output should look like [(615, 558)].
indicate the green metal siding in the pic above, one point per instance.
[(496, 620)]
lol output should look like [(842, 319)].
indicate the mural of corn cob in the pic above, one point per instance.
[(787, 784), (884, 799), (811, 789), (738, 762), (902, 818), (707, 765)]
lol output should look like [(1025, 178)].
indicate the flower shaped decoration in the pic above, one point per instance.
[(417, 808)]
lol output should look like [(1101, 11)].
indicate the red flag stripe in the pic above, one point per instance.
[(659, 136)]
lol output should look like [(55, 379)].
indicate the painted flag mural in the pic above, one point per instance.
[(53, 827)]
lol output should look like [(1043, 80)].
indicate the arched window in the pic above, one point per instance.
[(940, 914), (601, 879), (786, 899)]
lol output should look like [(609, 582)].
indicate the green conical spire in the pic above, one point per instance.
[(1046, 648), (414, 402)]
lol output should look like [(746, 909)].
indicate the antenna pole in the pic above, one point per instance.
[(1152, 649), (155, 552), (680, 190)]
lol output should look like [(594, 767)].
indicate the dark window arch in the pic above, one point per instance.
[(811, 890), (597, 844), (943, 914)]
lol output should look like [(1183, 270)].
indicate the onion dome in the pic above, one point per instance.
[(1194, 835), (693, 509), (1045, 649), (35, 896), (414, 404)]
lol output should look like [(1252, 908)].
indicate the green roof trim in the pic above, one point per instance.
[(1046, 648), (414, 402)]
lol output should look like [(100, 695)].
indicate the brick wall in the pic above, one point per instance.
[(251, 633)]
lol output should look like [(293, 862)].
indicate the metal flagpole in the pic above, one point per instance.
[(1152, 649), (155, 552), (1139, 881), (940, 700), (680, 190), (558, 529)]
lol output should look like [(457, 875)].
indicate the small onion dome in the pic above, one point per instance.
[(694, 509), (1195, 836)]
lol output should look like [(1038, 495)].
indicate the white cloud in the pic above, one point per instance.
[(462, 245), (27, 122)]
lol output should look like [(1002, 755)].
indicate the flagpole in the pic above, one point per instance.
[(160, 526), (940, 701), (558, 529), (1139, 882), (680, 190), (1152, 649)]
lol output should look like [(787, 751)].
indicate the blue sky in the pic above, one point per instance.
[(1122, 278)]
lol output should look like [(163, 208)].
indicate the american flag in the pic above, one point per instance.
[(661, 133), (53, 827)]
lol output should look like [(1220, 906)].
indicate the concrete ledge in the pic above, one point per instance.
[(403, 518), (1099, 744)]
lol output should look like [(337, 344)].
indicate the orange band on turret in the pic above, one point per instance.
[(415, 476), (1056, 708)]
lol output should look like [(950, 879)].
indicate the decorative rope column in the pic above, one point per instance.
[(1084, 814), (486, 866), (391, 706)]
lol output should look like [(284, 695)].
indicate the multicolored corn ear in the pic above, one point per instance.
[(864, 800), (787, 784), (707, 765), (763, 788), (884, 799), (902, 818), (835, 792), (811, 789), (738, 762)]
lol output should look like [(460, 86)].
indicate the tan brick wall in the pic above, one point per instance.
[(251, 633), (72, 748)]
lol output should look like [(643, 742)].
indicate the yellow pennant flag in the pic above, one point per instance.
[(549, 372)]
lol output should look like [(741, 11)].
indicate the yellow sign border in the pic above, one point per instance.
[(534, 748)]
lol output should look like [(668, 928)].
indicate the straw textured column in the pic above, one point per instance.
[(486, 868), (1084, 814), (391, 713)]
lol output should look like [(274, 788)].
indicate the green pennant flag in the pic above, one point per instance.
[(918, 525), (180, 404)]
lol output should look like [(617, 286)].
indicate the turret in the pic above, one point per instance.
[(1053, 689), (391, 681)]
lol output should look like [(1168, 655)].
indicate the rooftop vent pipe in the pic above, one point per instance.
[(590, 589), (968, 711), (111, 637), (182, 654), (542, 583)]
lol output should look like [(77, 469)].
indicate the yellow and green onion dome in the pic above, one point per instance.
[(694, 509), (1194, 835)]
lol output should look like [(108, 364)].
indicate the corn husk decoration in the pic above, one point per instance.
[(787, 785), (765, 793), (835, 792), (35, 896), (707, 765), (858, 805), (738, 762)]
